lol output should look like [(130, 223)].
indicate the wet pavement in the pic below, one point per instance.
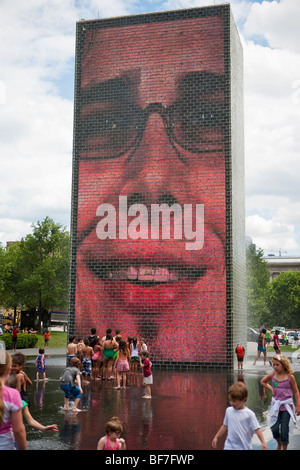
[(186, 409)]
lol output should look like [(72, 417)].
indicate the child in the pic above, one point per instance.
[(15, 333), (112, 441), (122, 363), (80, 346), (96, 358), (276, 342), (240, 353), (12, 382), (284, 388), (18, 362), (68, 380), (144, 346), (46, 338), (12, 428), (240, 422), (87, 353), (40, 365), (147, 373), (71, 348), (134, 354)]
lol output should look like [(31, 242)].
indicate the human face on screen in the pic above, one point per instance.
[(155, 288)]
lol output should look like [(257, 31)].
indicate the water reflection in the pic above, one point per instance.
[(185, 412)]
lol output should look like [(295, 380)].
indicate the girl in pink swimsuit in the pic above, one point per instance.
[(112, 440), (122, 363)]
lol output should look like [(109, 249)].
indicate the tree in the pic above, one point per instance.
[(11, 271), (35, 271), (2, 271), (257, 282), (283, 299), (46, 262)]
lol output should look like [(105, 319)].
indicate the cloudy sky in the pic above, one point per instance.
[(37, 53)]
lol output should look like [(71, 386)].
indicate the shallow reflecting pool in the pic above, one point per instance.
[(186, 410)]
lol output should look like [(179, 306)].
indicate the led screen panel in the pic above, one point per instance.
[(151, 197)]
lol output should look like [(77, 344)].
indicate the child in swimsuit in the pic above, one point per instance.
[(112, 440), (18, 362), (134, 353), (122, 363)]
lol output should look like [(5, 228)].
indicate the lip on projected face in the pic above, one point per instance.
[(142, 286), (151, 275)]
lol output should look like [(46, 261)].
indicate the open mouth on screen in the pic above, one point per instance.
[(144, 274)]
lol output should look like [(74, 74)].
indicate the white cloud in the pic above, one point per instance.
[(36, 121), (272, 120), (277, 22), (270, 234), (13, 229)]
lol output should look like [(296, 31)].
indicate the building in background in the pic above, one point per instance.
[(281, 264)]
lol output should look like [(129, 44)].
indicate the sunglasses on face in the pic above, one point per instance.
[(118, 129)]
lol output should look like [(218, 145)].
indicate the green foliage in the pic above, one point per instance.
[(24, 341), (257, 283), (11, 268), (2, 273), (34, 272), (271, 303), (283, 299)]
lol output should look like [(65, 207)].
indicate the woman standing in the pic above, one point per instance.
[(109, 348), (261, 346)]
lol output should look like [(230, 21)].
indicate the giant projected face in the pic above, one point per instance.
[(151, 187)]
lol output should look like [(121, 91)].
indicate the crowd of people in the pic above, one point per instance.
[(239, 424), (14, 331), (109, 357), (94, 358), (265, 338), (113, 358)]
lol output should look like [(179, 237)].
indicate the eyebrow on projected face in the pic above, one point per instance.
[(125, 88), (115, 89), (192, 84)]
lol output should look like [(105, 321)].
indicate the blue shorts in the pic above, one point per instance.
[(260, 348), (71, 391)]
